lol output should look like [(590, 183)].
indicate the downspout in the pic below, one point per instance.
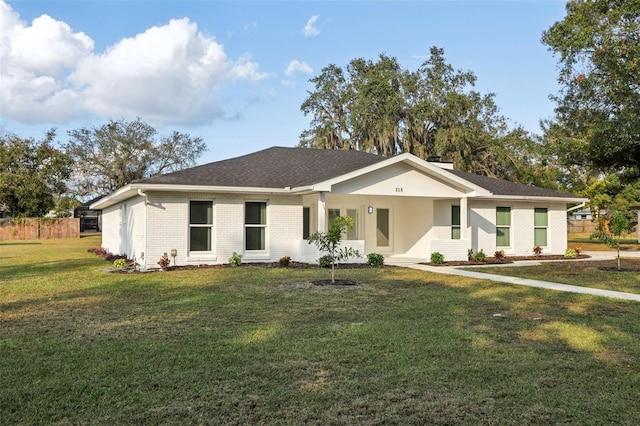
[(142, 194), (144, 224)]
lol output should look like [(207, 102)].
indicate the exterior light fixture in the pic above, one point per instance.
[(370, 209)]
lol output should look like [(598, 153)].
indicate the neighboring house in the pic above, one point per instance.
[(584, 214), (264, 205), (90, 219)]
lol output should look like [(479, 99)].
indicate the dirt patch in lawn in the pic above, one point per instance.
[(615, 269), (337, 284)]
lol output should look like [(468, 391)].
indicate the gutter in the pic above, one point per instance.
[(579, 206)]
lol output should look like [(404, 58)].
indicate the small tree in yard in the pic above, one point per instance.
[(329, 242), (618, 227)]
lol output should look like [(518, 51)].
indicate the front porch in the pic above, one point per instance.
[(398, 227)]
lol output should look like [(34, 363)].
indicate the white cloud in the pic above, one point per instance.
[(287, 83), (309, 30), (245, 69), (168, 74), (297, 66), (33, 60)]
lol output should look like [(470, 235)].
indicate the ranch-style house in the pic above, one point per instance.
[(264, 205)]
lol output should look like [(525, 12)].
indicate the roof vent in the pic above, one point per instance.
[(433, 158)]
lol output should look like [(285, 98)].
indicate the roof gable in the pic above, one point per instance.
[(401, 179)]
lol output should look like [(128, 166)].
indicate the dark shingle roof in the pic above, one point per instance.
[(275, 167), (504, 187), (280, 167)]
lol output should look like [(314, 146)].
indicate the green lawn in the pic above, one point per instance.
[(580, 273), (248, 346), (583, 240)]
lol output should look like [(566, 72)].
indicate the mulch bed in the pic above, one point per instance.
[(292, 265), (507, 260)]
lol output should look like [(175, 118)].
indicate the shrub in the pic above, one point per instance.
[(480, 256), (499, 255), (577, 250), (375, 259), (570, 253), (235, 259), (120, 263), (98, 251), (537, 250), (325, 261), (470, 254), (164, 261), (284, 261), (437, 258), (109, 257)]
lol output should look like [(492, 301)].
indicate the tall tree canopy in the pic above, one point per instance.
[(33, 174), (597, 119), (376, 106), (120, 152)]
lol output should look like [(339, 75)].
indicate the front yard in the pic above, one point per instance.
[(601, 274), (254, 345)]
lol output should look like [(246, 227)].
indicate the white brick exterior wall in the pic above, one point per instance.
[(483, 227), (168, 227), (419, 226), (124, 228), (451, 249), (111, 229)]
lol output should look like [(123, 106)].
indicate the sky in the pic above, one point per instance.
[(236, 72)]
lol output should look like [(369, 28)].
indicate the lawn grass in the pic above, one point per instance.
[(583, 240), (596, 274), (247, 346)]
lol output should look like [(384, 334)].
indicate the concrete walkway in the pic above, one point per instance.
[(460, 271)]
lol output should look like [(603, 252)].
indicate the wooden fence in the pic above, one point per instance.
[(581, 225), (39, 229)]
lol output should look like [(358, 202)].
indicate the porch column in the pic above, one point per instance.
[(464, 218), (322, 221)]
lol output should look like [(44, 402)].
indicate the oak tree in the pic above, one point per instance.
[(119, 152), (597, 120), (33, 174)]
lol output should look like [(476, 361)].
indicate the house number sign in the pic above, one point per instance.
[(399, 190)]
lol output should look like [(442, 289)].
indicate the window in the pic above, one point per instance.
[(333, 215), (352, 234), (306, 222), (455, 222), (540, 223), (200, 225), (382, 227), (503, 226), (255, 225)]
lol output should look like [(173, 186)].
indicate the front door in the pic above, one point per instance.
[(383, 229)]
